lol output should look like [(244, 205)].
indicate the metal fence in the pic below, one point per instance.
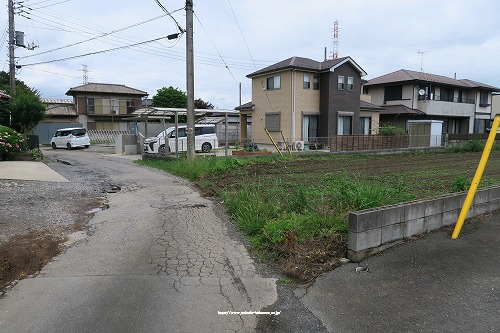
[(104, 136)]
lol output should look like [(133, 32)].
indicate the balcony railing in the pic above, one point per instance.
[(454, 100)]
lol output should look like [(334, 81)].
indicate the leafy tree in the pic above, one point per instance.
[(26, 108), (201, 104), (27, 111), (170, 98), (20, 85)]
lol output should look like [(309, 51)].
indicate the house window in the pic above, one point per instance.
[(393, 93), (365, 125), (90, 106), (483, 99), (344, 124), (446, 95), (341, 82), (273, 121), (273, 83), (310, 128), (350, 83), (316, 82), (130, 106), (307, 81)]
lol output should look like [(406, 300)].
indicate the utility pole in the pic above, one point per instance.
[(190, 80), (12, 64)]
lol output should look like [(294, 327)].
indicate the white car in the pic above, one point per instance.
[(205, 140), (70, 138)]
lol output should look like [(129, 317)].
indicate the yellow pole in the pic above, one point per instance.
[(274, 143), (477, 177), (286, 144)]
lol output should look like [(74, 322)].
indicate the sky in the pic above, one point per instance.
[(123, 42)]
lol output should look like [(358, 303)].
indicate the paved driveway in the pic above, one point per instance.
[(434, 284)]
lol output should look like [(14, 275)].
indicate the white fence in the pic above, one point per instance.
[(104, 136)]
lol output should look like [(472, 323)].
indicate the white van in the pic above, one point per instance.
[(205, 140), (70, 138)]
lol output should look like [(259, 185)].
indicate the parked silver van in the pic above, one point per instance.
[(205, 140), (70, 138)]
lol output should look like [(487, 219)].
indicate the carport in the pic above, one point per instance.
[(163, 114)]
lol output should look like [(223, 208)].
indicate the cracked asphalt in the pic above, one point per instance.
[(161, 258)]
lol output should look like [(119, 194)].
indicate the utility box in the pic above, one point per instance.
[(425, 133)]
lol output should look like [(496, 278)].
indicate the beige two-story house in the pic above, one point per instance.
[(463, 105), (104, 106), (301, 99)]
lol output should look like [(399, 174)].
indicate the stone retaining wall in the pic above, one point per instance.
[(373, 230)]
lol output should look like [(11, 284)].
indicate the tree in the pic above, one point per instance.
[(170, 98), (201, 104), (20, 85), (25, 107), (27, 111)]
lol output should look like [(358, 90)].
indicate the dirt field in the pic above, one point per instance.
[(424, 174)]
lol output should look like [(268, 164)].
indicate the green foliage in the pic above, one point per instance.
[(170, 98), (36, 154), (10, 141), (196, 169), (389, 129), (27, 111), (351, 193), (460, 184), (20, 85), (469, 146), (201, 104)]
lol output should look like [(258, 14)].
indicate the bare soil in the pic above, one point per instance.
[(426, 174)]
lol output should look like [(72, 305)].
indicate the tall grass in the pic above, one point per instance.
[(194, 170), (267, 211)]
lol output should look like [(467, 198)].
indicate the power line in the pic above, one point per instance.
[(220, 55), (168, 13), (241, 32), (96, 37), (93, 53)]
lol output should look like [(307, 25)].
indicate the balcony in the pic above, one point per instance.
[(445, 99)]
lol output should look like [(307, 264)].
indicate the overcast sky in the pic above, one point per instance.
[(233, 38)]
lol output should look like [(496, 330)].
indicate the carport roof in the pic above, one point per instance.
[(159, 113)]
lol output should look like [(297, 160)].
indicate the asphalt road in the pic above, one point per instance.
[(159, 259), (432, 284)]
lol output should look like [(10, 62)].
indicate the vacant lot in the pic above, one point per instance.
[(295, 210)]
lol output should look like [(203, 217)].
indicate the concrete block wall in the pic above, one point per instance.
[(373, 230)]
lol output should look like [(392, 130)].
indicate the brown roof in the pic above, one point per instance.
[(106, 88), (306, 64), (405, 75), (59, 107), (246, 106), (369, 106), (400, 109)]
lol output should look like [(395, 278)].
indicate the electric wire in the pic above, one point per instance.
[(215, 47), (93, 53), (251, 57), (169, 14), (95, 37)]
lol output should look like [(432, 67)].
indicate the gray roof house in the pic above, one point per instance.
[(463, 105)]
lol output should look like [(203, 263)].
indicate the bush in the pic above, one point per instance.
[(389, 129), (10, 141), (468, 147)]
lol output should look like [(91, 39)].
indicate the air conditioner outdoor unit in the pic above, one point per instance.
[(298, 145)]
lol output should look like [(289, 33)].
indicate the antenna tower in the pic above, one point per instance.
[(336, 40), (85, 74)]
